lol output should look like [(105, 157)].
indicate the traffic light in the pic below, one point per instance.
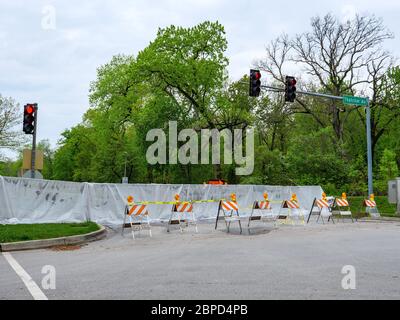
[(255, 83), (290, 89), (29, 118)]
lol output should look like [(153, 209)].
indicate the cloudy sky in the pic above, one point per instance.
[(49, 50)]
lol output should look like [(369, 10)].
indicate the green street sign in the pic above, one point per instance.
[(355, 101)]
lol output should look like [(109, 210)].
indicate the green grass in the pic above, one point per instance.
[(384, 207), (25, 232)]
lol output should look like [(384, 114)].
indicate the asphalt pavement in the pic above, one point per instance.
[(288, 262)]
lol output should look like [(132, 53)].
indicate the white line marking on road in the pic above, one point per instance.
[(33, 288)]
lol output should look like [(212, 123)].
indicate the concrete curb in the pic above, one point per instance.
[(381, 219), (47, 243)]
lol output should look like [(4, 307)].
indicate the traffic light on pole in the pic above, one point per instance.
[(290, 89), (255, 83), (29, 118)]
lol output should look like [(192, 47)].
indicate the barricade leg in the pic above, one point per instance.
[(123, 225), (180, 223), (170, 220), (311, 211), (251, 215), (140, 226), (290, 217), (303, 221), (218, 212), (126, 211), (226, 223), (132, 228), (195, 222), (149, 226), (319, 215)]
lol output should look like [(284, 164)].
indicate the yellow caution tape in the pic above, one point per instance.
[(175, 202), (156, 202), (207, 201), (191, 202)]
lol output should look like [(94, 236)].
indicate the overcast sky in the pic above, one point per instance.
[(49, 50)]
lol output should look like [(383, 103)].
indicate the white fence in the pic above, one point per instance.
[(40, 201)]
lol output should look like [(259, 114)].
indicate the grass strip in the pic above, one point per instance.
[(27, 232)]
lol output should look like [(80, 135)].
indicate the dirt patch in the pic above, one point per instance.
[(66, 248)]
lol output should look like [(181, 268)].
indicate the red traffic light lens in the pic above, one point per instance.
[(29, 109), (255, 74), (293, 83)]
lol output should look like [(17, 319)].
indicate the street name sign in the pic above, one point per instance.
[(355, 101)]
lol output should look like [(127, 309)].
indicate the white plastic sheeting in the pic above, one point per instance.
[(41, 201)]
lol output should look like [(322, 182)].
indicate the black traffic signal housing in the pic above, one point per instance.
[(290, 89), (29, 118), (255, 83)]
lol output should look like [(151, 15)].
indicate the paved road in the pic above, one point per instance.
[(291, 262)]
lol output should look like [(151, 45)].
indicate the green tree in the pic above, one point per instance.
[(189, 65), (388, 167), (10, 118), (73, 158), (48, 157), (388, 170), (313, 160)]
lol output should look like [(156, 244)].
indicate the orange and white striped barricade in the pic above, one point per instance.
[(293, 207), (262, 211), (230, 210), (370, 206), (182, 214), (320, 207), (138, 216), (341, 207)]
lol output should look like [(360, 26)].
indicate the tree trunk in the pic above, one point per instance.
[(218, 171), (336, 122)]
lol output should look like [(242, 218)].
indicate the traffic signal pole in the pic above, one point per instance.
[(369, 148), (315, 94), (368, 126), (33, 154)]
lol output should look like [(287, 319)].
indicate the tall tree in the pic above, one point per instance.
[(385, 85), (10, 117), (189, 65), (337, 55)]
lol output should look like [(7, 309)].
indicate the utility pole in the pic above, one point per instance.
[(369, 148), (33, 156)]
